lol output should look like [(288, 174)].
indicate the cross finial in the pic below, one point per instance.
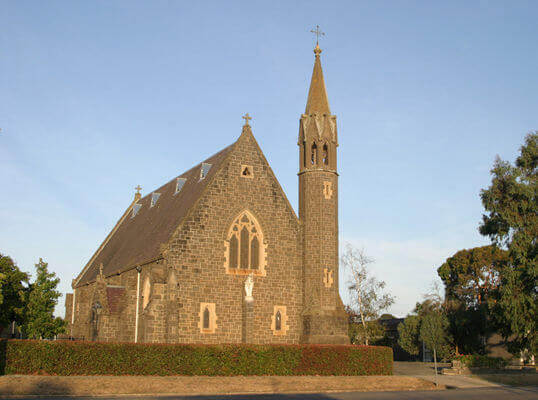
[(247, 118), (138, 189), (318, 33)]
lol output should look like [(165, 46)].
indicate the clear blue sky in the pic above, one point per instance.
[(99, 96)]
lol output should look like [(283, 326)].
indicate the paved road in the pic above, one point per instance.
[(496, 393)]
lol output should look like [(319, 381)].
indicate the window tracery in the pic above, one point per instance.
[(245, 247)]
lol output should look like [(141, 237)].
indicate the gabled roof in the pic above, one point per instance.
[(137, 240)]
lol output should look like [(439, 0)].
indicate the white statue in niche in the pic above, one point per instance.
[(249, 285)]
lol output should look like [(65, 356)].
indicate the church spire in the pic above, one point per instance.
[(318, 102)]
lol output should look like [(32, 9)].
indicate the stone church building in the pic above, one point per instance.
[(218, 255)]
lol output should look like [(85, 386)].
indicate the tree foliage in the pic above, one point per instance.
[(367, 294), (471, 277), (409, 335), (511, 220), (413, 331), (433, 330), (42, 298), (373, 333), (13, 285)]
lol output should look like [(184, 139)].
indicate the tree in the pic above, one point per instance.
[(372, 333), (411, 330), (471, 277), (13, 285), (368, 299), (511, 221), (409, 335), (40, 322), (433, 328)]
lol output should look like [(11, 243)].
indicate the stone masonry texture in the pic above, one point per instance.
[(187, 265)]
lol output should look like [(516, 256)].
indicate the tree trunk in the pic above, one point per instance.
[(435, 366), (362, 319)]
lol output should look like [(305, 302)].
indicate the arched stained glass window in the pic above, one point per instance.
[(245, 244)]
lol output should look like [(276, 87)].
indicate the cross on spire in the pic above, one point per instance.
[(318, 33), (247, 118), (138, 189)]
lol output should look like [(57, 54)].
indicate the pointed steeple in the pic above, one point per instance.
[(318, 102)]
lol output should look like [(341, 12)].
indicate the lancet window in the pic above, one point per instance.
[(314, 154), (325, 155), (245, 248)]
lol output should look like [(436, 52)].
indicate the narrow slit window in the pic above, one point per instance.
[(314, 155), (304, 154), (325, 155), (154, 197), (206, 318), (204, 170), (278, 321), (179, 184)]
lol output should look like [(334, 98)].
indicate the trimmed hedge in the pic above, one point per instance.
[(479, 361), (93, 358)]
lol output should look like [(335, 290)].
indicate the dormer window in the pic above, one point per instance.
[(136, 208), (204, 170), (154, 197), (179, 184)]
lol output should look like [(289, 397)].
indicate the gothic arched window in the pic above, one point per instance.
[(278, 321), (245, 248), (314, 155), (325, 155)]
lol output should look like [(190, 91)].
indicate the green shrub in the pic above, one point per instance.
[(94, 358), (479, 361)]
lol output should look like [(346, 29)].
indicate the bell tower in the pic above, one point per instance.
[(324, 319)]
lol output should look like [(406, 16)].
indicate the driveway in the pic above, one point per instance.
[(426, 371)]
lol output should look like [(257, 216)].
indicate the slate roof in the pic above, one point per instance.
[(138, 240)]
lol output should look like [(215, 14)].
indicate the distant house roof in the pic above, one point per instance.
[(391, 323), (137, 239)]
